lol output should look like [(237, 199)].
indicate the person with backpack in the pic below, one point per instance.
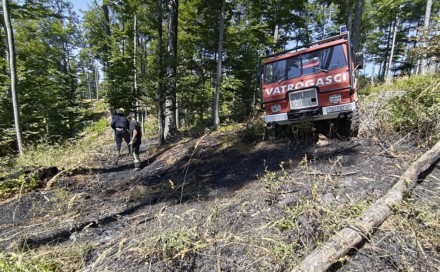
[(136, 138), (120, 125)]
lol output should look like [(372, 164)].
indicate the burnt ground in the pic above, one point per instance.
[(227, 202)]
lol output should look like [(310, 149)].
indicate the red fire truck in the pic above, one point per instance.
[(315, 82)]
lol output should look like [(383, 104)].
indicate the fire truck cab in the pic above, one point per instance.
[(315, 82)]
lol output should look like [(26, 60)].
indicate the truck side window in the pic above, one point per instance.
[(335, 58), (275, 71), (294, 67), (268, 75)]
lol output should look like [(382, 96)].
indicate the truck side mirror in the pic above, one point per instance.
[(359, 60)]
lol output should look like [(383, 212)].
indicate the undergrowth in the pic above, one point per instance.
[(21, 174), (71, 154), (60, 258), (22, 183), (418, 111), (413, 109)]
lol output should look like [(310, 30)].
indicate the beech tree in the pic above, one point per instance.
[(12, 73), (170, 125), (424, 60), (160, 72), (219, 67)]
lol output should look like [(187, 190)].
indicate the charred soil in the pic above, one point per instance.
[(225, 202)]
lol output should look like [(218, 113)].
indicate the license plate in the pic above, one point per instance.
[(337, 108)]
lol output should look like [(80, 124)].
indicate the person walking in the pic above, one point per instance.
[(120, 125), (136, 138)]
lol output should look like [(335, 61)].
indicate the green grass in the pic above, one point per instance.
[(19, 174), (413, 108), (150, 126), (72, 153), (21, 263), (46, 259), (418, 111), (24, 182)]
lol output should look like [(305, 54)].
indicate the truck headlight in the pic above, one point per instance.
[(335, 98), (275, 108)]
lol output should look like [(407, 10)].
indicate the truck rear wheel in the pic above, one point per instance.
[(349, 126)]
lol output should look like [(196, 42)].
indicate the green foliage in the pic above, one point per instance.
[(150, 126), (290, 221), (46, 259), (356, 210), (53, 79), (380, 18), (46, 69), (255, 128), (73, 152), (70, 154), (417, 112), (285, 251), (24, 182), (16, 263), (179, 243), (97, 128), (7, 143), (369, 89)]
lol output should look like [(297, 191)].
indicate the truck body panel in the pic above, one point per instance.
[(314, 82)]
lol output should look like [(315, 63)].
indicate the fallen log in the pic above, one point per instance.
[(346, 239)]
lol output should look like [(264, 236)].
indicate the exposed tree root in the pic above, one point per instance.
[(348, 238)]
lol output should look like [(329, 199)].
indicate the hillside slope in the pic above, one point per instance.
[(223, 202)]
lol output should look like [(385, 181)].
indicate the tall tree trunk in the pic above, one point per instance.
[(107, 48), (72, 92), (424, 65), (170, 98), (135, 86), (349, 18), (393, 45), (89, 89), (357, 25), (96, 80), (384, 65), (13, 74), (216, 117), (159, 92)]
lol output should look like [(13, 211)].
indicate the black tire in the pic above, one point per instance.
[(275, 132), (323, 127), (349, 127)]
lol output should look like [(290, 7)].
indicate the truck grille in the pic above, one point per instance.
[(303, 99)]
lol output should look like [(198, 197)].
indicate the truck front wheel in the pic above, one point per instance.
[(349, 126)]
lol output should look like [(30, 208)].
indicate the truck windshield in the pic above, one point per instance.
[(313, 62)]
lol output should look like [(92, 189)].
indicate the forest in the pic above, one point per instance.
[(216, 188), (187, 62)]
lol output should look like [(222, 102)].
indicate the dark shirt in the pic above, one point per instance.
[(134, 125), (120, 121)]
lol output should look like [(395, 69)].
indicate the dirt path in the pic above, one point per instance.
[(219, 203)]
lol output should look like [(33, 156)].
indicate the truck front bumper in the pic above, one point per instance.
[(327, 113)]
